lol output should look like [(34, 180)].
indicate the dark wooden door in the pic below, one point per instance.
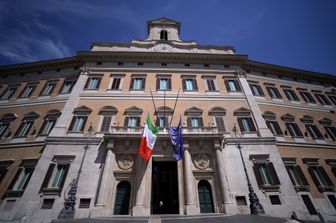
[(205, 197), (122, 200)]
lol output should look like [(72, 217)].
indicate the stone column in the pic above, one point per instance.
[(139, 208), (190, 193), (102, 194), (64, 120), (228, 204), (255, 110)]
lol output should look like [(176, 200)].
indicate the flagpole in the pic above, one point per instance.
[(174, 106), (154, 104), (164, 109)]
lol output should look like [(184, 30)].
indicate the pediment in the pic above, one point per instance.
[(108, 110), (31, 115), (133, 111), (217, 111), (193, 111), (288, 117), (242, 112), (83, 109)]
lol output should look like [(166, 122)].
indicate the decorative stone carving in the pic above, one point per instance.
[(125, 161), (201, 161)]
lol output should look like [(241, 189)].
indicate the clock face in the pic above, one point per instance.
[(162, 48)]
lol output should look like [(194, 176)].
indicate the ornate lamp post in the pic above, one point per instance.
[(68, 211), (255, 206)]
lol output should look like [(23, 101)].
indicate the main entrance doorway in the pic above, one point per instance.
[(164, 188)]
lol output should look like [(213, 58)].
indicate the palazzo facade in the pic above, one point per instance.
[(72, 127)]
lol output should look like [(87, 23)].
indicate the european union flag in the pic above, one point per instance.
[(175, 134)]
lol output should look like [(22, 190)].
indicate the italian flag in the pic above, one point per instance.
[(148, 139)]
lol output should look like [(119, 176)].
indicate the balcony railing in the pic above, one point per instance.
[(186, 130)]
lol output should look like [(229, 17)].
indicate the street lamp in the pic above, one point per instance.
[(255, 206)]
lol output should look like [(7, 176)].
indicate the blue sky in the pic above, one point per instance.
[(292, 33)]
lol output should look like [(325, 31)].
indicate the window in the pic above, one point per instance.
[(256, 90), (107, 113), (273, 92), (26, 125), (47, 203), (264, 172), (67, 86), (295, 174), (163, 83), (92, 83), (21, 178), (163, 35), (4, 165), (189, 84), (245, 122), (138, 83), (291, 126), (49, 122), (322, 99), (209, 82), (8, 93), (164, 115), (332, 164), (332, 98), (5, 123), (293, 129), (307, 97), (84, 203), (331, 132), (241, 200), (274, 127), (318, 174), (232, 85), (194, 120), (311, 127), (275, 199), (48, 88), (79, 120), (332, 200), (132, 119), (27, 91), (219, 120), (309, 204), (291, 95), (56, 174), (116, 83)]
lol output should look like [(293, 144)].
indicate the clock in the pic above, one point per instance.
[(162, 48)]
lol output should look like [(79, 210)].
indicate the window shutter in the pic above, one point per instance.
[(279, 131), (311, 172), (157, 83), (251, 124), (227, 86), (43, 125), (47, 176), (15, 178), (201, 121), (260, 90), (237, 85), (106, 124), (169, 84), (220, 123), (257, 174), (184, 84), (72, 123), (126, 121), (277, 93), (240, 125), (269, 92), (195, 84), (3, 173), (143, 82), (99, 80), (138, 122), (84, 122), (27, 181), (325, 176), (189, 122), (274, 176), (132, 83), (301, 175), (87, 83), (64, 177)]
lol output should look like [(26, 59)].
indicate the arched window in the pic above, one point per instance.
[(122, 200), (205, 197), (163, 35)]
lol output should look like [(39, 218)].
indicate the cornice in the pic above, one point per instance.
[(307, 145), (232, 59), (41, 65), (21, 144), (287, 71), (74, 140)]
